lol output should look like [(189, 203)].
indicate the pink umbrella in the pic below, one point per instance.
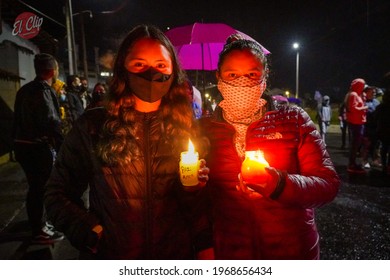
[(279, 98), (199, 44)]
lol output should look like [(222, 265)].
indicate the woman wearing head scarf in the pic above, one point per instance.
[(268, 213)]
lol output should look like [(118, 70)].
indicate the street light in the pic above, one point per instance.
[(296, 46)]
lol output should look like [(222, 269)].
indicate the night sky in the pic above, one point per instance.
[(339, 40)]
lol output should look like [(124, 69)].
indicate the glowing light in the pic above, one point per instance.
[(189, 166), (253, 167)]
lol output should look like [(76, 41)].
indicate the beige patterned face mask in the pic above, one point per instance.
[(242, 105), (241, 97)]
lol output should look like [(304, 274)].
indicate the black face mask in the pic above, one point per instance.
[(150, 85)]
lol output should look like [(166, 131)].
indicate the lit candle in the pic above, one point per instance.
[(189, 166), (253, 167)]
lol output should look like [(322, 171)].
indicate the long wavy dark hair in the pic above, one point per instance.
[(117, 144)]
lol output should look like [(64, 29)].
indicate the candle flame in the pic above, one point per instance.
[(191, 148), (256, 156)]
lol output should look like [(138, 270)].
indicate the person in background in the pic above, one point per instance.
[(128, 154), (273, 216), (382, 118), (196, 99), (197, 103), (324, 115), (84, 93), (58, 86), (356, 118), (213, 105), (343, 125), (74, 104), (370, 140), (64, 112), (37, 139), (98, 95), (279, 100)]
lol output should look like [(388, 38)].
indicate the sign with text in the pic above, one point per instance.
[(27, 25)]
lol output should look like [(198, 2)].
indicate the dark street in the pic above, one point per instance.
[(356, 225)]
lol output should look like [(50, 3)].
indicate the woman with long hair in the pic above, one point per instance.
[(128, 154)]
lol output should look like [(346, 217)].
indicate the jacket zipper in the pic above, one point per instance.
[(148, 179)]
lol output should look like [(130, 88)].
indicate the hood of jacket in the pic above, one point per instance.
[(357, 86)]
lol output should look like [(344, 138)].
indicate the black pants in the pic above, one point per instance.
[(36, 161), (344, 129), (356, 132)]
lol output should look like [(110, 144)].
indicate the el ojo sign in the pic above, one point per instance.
[(27, 25)]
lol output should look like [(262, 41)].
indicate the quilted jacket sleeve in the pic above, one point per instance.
[(67, 183), (317, 182), (293, 146)]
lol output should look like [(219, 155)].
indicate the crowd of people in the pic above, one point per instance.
[(45, 110), (75, 97), (367, 121), (120, 147)]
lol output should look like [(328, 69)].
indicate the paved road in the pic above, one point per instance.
[(356, 225)]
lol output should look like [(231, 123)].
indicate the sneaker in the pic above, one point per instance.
[(48, 226), (367, 165), (47, 236), (355, 169)]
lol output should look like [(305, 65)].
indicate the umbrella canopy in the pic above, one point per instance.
[(199, 44), (279, 98)]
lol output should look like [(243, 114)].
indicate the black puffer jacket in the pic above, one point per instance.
[(281, 227), (36, 115), (143, 209)]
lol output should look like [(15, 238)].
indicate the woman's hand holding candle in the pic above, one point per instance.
[(246, 191), (193, 172), (257, 178), (203, 173), (253, 168), (253, 191)]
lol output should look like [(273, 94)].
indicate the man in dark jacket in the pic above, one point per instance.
[(73, 86), (37, 137), (382, 119)]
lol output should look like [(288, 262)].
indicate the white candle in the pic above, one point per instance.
[(189, 166)]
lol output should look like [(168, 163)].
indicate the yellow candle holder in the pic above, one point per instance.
[(253, 167), (189, 166)]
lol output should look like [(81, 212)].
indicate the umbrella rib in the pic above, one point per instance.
[(192, 32)]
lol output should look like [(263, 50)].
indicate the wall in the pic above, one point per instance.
[(16, 58)]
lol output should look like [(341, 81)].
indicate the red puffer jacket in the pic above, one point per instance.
[(265, 228)]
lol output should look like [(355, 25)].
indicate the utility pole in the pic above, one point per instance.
[(70, 38), (83, 44)]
